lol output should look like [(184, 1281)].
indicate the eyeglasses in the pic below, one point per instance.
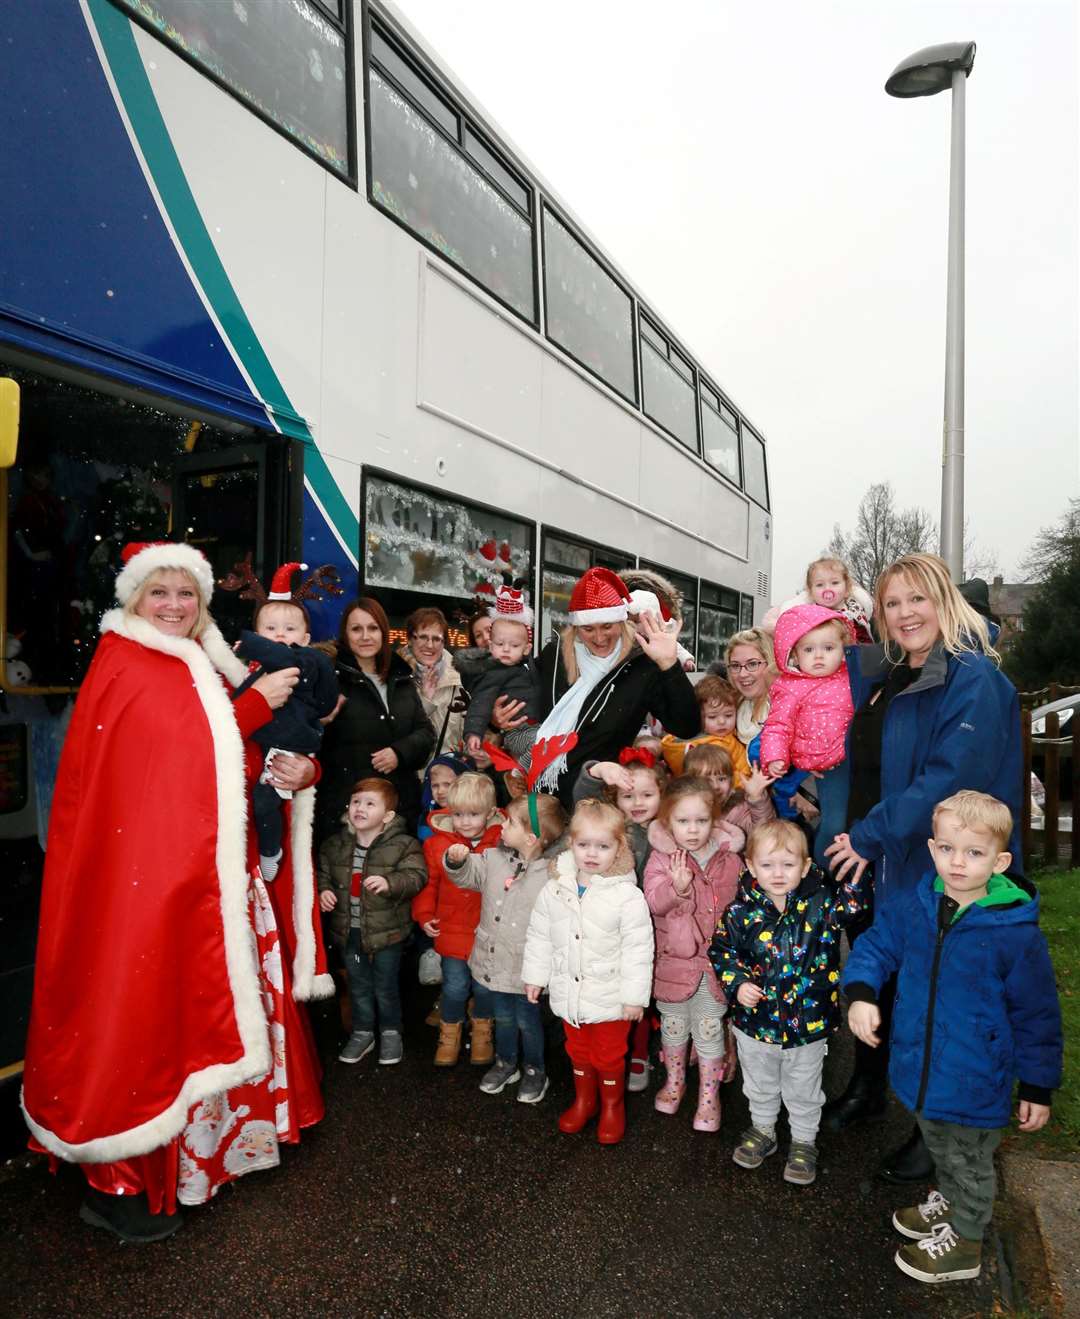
[(751, 666)]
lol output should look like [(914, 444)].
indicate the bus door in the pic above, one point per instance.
[(94, 470)]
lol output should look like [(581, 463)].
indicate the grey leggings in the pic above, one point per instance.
[(700, 1018)]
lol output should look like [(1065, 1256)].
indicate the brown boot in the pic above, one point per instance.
[(449, 1046), (482, 1041), (435, 1015)]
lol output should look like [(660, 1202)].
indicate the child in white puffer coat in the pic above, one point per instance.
[(590, 941)]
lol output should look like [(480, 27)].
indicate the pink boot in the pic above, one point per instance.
[(669, 1096), (707, 1117)]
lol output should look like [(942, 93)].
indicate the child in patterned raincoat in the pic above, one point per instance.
[(777, 957)]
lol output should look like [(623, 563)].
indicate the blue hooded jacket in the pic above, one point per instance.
[(427, 802), (956, 726), (976, 1004)]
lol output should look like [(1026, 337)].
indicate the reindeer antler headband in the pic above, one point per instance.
[(546, 750)]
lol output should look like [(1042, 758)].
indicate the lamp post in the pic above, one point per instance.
[(926, 73)]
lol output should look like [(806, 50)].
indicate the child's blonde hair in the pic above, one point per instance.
[(549, 813), (595, 811), (779, 836), (472, 792), (687, 785), (705, 758), (829, 562), (978, 810), (963, 631)]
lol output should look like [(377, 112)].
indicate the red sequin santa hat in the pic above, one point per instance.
[(510, 604), (281, 584), (143, 558), (599, 596)]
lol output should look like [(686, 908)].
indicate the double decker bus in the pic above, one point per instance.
[(272, 281)]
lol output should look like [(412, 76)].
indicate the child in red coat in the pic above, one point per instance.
[(450, 916)]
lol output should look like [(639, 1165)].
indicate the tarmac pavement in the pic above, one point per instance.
[(419, 1196)]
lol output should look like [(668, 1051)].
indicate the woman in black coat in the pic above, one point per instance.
[(380, 728)]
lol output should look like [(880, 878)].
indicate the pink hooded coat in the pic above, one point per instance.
[(808, 717), (685, 926)]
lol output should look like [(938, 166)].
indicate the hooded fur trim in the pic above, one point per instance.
[(233, 882), (564, 867)]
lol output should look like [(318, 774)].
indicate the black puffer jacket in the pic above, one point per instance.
[(617, 706), (363, 726)]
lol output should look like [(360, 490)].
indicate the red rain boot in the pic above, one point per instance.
[(612, 1124), (586, 1105)]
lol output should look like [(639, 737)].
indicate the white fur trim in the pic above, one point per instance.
[(305, 983), (612, 614), (233, 885), (156, 557), (222, 656)]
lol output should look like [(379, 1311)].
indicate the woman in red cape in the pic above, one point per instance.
[(166, 1052)]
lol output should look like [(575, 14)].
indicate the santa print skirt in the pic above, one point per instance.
[(240, 1131)]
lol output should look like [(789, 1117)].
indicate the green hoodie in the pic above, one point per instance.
[(1000, 892)]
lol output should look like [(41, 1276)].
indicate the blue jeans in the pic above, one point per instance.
[(832, 791), (373, 980), (513, 1013), (457, 983), (784, 788)]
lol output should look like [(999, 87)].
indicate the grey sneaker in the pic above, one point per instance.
[(359, 1044), (754, 1148), (390, 1048), (533, 1087), (497, 1078), (637, 1078), (801, 1166)]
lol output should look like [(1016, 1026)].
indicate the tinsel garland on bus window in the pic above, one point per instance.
[(415, 541)]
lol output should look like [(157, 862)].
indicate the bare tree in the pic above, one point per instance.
[(882, 533), (1054, 545)]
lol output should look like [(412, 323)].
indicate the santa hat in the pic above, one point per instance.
[(599, 596), (281, 586), (143, 558), (648, 602), (510, 604)]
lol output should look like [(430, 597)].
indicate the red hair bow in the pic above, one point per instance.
[(637, 756)]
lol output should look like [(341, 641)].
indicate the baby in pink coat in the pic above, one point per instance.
[(810, 709)]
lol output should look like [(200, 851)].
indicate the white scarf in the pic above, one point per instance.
[(566, 713)]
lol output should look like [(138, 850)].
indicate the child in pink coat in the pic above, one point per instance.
[(810, 710), (691, 877)]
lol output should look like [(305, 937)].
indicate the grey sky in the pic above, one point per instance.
[(743, 164)]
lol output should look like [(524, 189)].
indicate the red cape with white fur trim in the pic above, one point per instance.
[(146, 992)]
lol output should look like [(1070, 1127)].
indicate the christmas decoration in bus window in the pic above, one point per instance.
[(415, 541)]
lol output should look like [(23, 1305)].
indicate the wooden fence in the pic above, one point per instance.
[(1056, 843)]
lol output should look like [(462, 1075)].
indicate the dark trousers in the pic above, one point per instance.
[(373, 983), (267, 808), (513, 1014)]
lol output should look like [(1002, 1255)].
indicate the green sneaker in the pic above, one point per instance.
[(919, 1221), (941, 1257), (754, 1148), (801, 1166)]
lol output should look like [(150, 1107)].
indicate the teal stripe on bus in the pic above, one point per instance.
[(118, 41)]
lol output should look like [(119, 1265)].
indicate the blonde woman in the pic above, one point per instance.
[(603, 676), (934, 714), (163, 959)]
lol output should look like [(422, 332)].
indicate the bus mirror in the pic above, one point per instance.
[(9, 421)]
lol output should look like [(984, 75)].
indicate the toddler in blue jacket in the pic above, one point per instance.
[(976, 1008)]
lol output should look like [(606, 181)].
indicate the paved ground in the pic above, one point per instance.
[(420, 1196)]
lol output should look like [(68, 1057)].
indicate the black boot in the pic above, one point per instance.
[(862, 1101), (127, 1217), (911, 1162)]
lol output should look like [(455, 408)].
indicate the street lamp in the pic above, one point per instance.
[(924, 74)]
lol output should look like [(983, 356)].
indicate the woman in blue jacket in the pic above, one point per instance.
[(934, 714)]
